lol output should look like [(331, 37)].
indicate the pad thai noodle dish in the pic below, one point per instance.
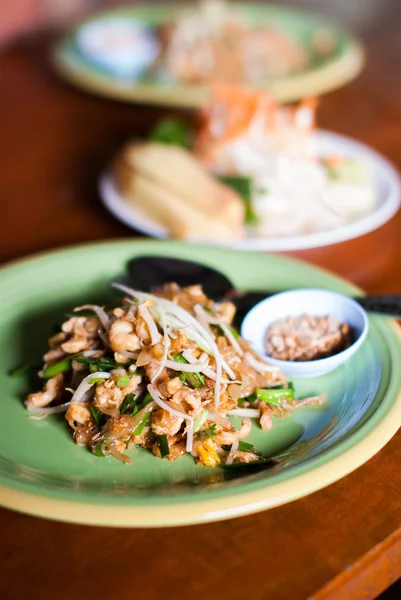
[(165, 371)]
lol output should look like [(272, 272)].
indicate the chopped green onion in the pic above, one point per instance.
[(163, 445), (212, 430), (123, 381), (199, 421), (148, 398), (96, 380), (195, 379), (243, 186), (255, 464), (98, 417), (171, 131), (251, 398), (142, 424), (98, 451), (274, 396), (129, 404), (60, 367), (22, 370), (102, 363)]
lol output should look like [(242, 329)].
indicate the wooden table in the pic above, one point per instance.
[(343, 542)]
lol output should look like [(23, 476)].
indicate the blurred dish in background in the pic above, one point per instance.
[(169, 54), (124, 48), (300, 187)]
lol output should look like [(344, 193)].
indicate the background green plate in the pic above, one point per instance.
[(43, 472), (330, 72)]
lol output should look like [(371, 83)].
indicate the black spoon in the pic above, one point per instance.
[(147, 272)]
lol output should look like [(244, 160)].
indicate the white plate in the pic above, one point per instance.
[(386, 177)]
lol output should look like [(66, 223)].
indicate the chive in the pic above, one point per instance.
[(263, 462), (97, 451), (182, 377), (199, 421), (22, 370), (251, 398), (98, 417), (148, 398), (195, 379), (247, 447), (93, 368), (212, 430), (163, 445), (123, 381), (142, 424), (129, 403), (101, 363), (274, 396), (60, 367), (96, 380)]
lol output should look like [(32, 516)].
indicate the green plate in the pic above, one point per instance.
[(325, 73), (44, 473)]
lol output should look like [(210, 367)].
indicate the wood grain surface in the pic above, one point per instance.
[(343, 542)]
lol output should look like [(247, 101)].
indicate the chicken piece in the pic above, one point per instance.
[(151, 370), (190, 401), (108, 395), (226, 310), (229, 437), (53, 356), (83, 332), (56, 340), (52, 391), (122, 336), (207, 453), (78, 414), (119, 428), (142, 329), (180, 343), (266, 419), (164, 423), (245, 457)]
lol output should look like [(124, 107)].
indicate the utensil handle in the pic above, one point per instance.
[(389, 305)]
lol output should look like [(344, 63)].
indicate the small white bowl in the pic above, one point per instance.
[(314, 302), (122, 46)]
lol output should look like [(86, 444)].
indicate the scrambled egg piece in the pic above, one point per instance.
[(208, 454)]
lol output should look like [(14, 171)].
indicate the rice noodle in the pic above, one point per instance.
[(100, 312), (252, 413), (258, 365), (220, 419), (204, 317), (147, 317), (85, 385), (164, 405), (234, 448), (231, 339), (166, 346), (206, 340), (49, 410), (190, 434)]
